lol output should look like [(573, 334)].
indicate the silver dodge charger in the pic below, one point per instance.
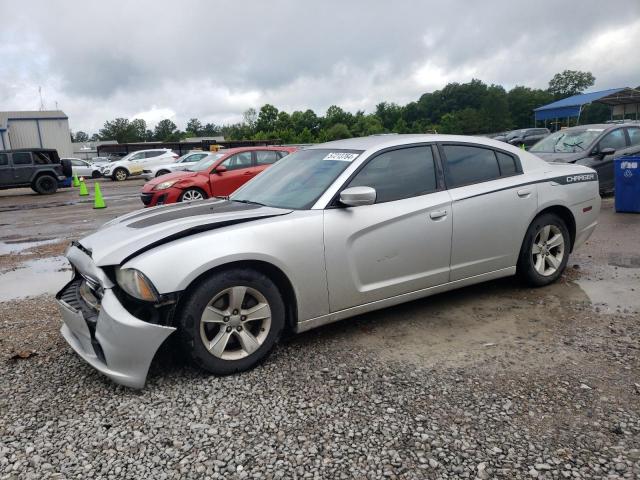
[(329, 232)]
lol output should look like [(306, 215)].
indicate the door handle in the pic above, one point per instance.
[(248, 173), (438, 214), (524, 193)]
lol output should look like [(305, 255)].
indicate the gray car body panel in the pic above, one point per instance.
[(347, 261)]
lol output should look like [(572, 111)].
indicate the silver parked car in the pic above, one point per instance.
[(329, 232)]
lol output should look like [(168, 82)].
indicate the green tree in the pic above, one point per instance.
[(389, 114), (138, 129), (80, 137), (267, 118), (166, 131), (210, 130), (249, 117), (570, 82), (119, 129), (522, 101), (194, 127), (335, 132)]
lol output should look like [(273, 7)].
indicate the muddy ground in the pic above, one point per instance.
[(572, 349)]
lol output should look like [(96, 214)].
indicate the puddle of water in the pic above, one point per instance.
[(613, 290), (35, 277), (9, 248)]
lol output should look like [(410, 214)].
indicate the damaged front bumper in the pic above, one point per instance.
[(108, 337)]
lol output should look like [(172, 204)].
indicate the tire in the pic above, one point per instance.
[(192, 194), (67, 169), (162, 172), (207, 315), (45, 185), (545, 267), (96, 174), (120, 175)]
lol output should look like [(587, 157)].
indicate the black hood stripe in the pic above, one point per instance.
[(194, 230), (204, 208)]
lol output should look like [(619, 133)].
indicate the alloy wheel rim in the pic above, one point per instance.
[(120, 175), (235, 323), (190, 195), (548, 250)]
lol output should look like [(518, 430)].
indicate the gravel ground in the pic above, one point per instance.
[(492, 381)]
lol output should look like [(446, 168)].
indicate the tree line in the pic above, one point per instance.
[(458, 108)]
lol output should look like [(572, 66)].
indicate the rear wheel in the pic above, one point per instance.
[(45, 185), (120, 175), (545, 250), (96, 174), (192, 194), (162, 172), (231, 321)]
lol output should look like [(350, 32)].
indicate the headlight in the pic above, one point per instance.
[(136, 284), (165, 185)]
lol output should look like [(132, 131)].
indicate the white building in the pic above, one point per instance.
[(36, 129)]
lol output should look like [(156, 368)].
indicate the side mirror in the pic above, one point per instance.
[(220, 169), (606, 151), (358, 196)]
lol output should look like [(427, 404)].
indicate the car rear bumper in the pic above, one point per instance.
[(111, 340)]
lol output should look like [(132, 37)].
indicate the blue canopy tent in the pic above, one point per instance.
[(571, 106)]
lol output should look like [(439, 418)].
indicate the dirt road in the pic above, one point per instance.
[(504, 366)]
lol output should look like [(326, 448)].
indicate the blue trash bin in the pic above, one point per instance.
[(627, 186)]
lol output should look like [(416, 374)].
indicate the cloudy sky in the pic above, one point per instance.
[(212, 60)]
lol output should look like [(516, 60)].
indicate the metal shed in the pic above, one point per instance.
[(36, 129), (571, 106)]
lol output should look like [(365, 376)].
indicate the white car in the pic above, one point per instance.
[(180, 164), (83, 168), (135, 163)]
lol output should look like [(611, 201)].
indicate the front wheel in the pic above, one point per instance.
[(120, 175), (545, 250), (192, 194), (162, 172), (231, 321), (96, 174)]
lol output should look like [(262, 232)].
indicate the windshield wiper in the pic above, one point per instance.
[(250, 202)]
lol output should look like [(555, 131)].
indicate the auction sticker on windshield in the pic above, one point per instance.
[(341, 156)]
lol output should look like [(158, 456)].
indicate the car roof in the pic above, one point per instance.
[(390, 140), (251, 149)]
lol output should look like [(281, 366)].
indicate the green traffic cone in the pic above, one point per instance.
[(76, 182), (83, 189), (98, 201), (522, 147)]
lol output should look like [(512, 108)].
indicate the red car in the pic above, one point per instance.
[(216, 176)]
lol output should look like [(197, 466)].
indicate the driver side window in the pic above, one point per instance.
[(613, 140), (398, 174), (137, 156), (238, 161)]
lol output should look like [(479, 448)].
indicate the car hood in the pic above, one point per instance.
[(560, 157), (123, 237), (171, 176)]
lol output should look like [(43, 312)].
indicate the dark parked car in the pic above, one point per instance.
[(38, 168), (594, 146), (526, 136)]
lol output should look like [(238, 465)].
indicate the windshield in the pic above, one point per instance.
[(205, 162), (567, 141), (297, 180)]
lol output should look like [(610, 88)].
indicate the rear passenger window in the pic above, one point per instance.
[(466, 165), (22, 158), (507, 164), (266, 157), (152, 154), (634, 136), (4, 159), (399, 174)]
